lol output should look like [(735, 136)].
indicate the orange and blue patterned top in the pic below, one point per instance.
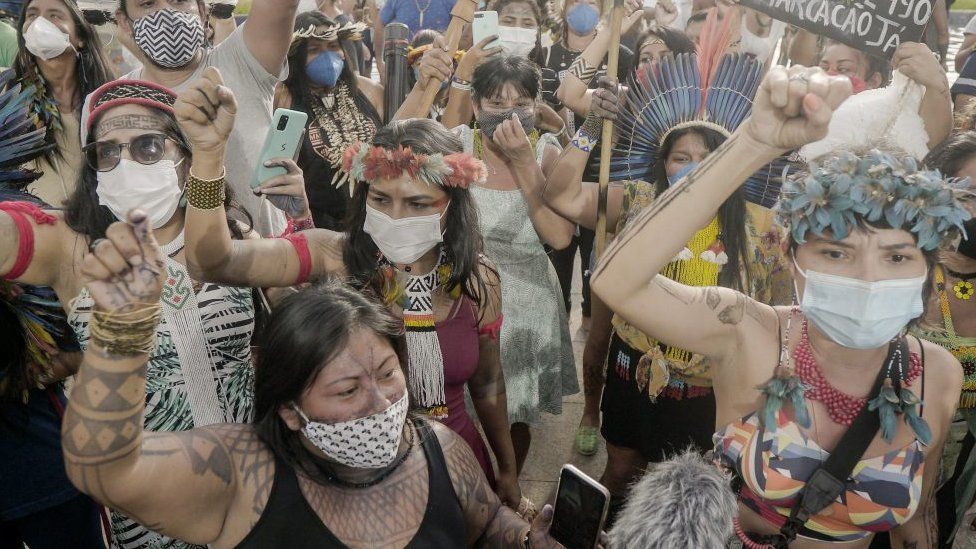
[(883, 492)]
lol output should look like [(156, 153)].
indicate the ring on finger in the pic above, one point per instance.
[(800, 78), (94, 244)]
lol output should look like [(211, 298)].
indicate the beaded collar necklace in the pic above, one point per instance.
[(842, 407)]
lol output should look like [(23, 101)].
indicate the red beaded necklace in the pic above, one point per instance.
[(842, 407)]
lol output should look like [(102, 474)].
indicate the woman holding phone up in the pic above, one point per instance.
[(790, 381)]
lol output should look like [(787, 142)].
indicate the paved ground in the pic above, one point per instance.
[(552, 443)]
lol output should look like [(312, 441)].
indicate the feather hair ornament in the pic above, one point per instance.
[(33, 327), (363, 162), (708, 89)]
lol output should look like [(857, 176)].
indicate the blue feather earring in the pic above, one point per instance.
[(785, 386)]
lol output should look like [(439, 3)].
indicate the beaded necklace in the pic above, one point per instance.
[(963, 348), (842, 407)]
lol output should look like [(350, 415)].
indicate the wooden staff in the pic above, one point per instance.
[(461, 15), (606, 139)]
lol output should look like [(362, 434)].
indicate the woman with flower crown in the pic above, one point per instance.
[(412, 240), (790, 382)]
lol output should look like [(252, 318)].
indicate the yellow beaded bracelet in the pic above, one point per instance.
[(205, 194)]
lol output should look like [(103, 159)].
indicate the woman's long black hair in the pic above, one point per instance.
[(676, 41), (298, 84), (91, 69), (306, 331), (731, 215), (462, 237), (84, 215)]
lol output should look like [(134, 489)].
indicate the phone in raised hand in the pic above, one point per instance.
[(282, 141), (484, 24)]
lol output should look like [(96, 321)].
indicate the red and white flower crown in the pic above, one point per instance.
[(363, 162)]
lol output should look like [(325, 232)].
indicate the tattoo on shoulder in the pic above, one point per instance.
[(732, 314)]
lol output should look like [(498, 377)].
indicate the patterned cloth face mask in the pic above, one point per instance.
[(488, 121), (369, 442), (169, 38)]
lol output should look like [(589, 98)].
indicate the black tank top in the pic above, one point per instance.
[(289, 522)]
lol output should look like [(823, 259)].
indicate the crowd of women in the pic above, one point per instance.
[(358, 351)]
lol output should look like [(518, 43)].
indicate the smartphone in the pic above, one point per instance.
[(484, 24), (284, 137), (580, 511)]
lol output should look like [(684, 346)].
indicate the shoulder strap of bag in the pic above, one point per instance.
[(830, 479)]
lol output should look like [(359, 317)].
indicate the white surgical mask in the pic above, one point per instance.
[(858, 314), (153, 188), (403, 240), (368, 442), (517, 40), (45, 40)]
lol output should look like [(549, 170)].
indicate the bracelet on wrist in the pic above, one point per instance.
[(126, 334), (581, 70), (588, 135), (205, 194), (460, 84), (303, 224)]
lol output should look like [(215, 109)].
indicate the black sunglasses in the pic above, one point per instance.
[(104, 156)]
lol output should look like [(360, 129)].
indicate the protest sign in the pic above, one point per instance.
[(873, 26)]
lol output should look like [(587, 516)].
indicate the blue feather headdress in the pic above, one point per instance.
[(708, 89), (33, 327)]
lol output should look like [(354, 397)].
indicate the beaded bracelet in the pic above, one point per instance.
[(126, 334), (588, 135), (460, 84), (205, 194)]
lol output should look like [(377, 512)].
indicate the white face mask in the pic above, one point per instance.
[(516, 40), (368, 442), (403, 240), (45, 40), (858, 314), (155, 189)]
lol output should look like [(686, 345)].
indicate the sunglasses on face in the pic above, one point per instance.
[(104, 156)]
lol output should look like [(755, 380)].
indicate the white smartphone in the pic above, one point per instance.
[(581, 509), (484, 24)]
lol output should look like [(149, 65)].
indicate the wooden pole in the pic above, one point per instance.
[(606, 139), (461, 15)]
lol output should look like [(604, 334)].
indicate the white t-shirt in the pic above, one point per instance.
[(254, 88)]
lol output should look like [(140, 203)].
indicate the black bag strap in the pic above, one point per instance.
[(830, 479)]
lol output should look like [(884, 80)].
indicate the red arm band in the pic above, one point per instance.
[(300, 243), (18, 211), (493, 329)]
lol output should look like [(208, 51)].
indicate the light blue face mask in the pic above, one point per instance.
[(582, 18), (325, 69), (858, 314), (685, 170)]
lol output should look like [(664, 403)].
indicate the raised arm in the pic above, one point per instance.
[(791, 108), (574, 89), (268, 31), (458, 111), (916, 61), (205, 111), (564, 189), (487, 388), (511, 140), (180, 484)]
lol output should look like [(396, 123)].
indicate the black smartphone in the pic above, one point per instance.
[(580, 511)]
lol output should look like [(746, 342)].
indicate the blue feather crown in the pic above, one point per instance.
[(678, 92), (876, 187)]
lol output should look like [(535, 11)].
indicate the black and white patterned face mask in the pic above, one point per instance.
[(169, 38), (368, 442), (488, 121)]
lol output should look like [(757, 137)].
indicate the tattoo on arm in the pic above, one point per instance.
[(662, 202)]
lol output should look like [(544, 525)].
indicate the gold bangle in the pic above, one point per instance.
[(205, 194), (125, 334)]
